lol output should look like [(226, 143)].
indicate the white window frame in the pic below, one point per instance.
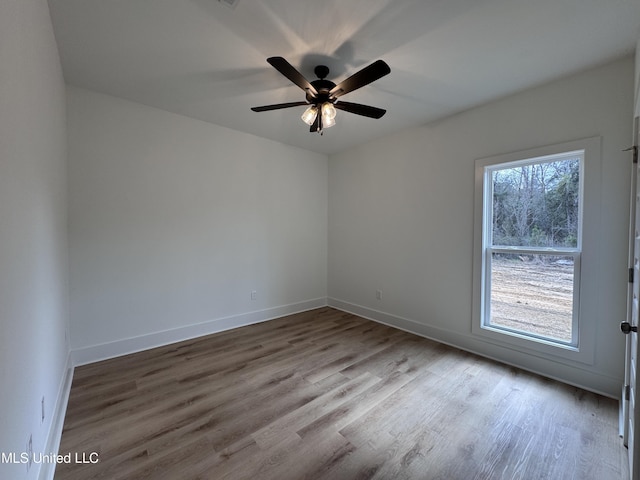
[(581, 347)]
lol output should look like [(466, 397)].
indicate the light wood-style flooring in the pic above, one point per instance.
[(328, 395)]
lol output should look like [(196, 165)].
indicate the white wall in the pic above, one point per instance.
[(174, 221), (33, 239), (401, 216)]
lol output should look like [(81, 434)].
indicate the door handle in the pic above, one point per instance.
[(627, 328)]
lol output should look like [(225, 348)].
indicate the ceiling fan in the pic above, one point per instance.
[(322, 94)]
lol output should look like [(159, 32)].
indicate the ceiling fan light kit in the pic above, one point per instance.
[(328, 112), (322, 95)]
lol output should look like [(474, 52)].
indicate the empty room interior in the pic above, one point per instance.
[(279, 239)]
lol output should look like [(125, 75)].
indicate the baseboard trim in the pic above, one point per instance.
[(47, 470), (104, 351), (574, 375)]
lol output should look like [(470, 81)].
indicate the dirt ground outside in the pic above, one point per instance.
[(532, 295)]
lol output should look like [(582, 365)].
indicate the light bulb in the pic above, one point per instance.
[(309, 115)]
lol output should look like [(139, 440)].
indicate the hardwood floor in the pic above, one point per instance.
[(328, 395)]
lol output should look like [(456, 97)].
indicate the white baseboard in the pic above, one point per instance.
[(572, 374), (52, 444), (95, 353)]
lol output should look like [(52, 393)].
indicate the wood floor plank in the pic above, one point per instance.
[(328, 395), (304, 416)]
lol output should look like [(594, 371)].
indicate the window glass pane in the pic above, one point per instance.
[(536, 205), (533, 294)]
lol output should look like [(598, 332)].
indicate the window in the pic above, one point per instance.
[(532, 247), (529, 211)]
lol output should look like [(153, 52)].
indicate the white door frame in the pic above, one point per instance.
[(629, 418)]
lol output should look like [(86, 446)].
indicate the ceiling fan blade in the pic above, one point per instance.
[(288, 70), (359, 109), (277, 106), (373, 72)]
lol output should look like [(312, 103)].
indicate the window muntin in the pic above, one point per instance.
[(532, 247)]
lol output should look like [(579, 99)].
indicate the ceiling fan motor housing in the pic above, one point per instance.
[(322, 86)]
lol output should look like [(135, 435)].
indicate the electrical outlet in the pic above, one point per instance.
[(379, 294), (254, 294), (42, 416)]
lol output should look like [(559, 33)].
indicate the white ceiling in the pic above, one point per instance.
[(205, 60)]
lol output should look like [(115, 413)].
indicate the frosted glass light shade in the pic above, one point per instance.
[(328, 111), (328, 121), (309, 115)]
